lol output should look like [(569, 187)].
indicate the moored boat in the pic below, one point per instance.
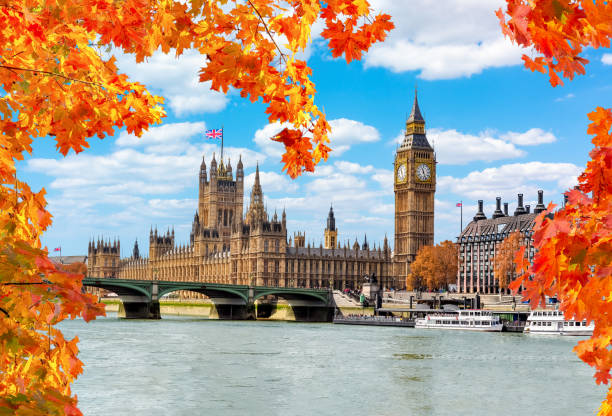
[(552, 322), (469, 320)]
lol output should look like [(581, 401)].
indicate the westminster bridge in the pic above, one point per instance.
[(140, 298)]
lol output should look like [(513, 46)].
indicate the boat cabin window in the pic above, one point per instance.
[(584, 323), (571, 324), (564, 323), (577, 323)]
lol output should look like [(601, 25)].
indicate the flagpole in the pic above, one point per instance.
[(461, 230), (221, 143)]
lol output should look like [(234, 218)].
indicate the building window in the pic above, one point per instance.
[(266, 245), (276, 266), (277, 245)]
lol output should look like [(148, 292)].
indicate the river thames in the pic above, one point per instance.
[(183, 366)]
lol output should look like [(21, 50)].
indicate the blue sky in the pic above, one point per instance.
[(498, 130)]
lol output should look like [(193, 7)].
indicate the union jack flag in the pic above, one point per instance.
[(214, 134), (459, 204)]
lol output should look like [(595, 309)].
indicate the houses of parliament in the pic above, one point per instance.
[(226, 246)]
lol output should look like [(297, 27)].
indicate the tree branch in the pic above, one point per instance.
[(52, 74), (23, 283), (268, 31)]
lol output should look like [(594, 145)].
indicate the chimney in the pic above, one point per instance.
[(506, 209), (528, 209), (540, 207), (498, 212), (480, 214), (520, 210)]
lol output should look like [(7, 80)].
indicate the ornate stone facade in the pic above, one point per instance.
[(480, 240), (226, 247), (414, 186)]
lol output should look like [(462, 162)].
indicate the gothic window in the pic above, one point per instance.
[(333, 242), (231, 217), (219, 216), (225, 217), (265, 266), (265, 245), (277, 245), (253, 265), (276, 266)]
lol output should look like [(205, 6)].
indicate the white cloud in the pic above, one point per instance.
[(347, 132), (443, 39), (271, 182), (344, 133), (350, 167), (385, 178), (167, 138), (127, 186), (270, 147), (335, 182), (455, 148), (511, 179), (176, 79), (531, 137), (606, 59)]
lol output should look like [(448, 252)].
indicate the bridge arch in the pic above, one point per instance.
[(209, 290), (118, 287), (289, 294)]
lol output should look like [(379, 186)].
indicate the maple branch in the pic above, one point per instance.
[(53, 74), (268, 31), (5, 312), (22, 283)]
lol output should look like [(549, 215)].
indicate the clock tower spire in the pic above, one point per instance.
[(414, 186)]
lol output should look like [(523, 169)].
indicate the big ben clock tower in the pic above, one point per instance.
[(414, 186)]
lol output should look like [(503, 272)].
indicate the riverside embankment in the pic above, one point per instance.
[(273, 311)]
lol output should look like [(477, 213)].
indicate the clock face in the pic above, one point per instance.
[(401, 173), (423, 172)]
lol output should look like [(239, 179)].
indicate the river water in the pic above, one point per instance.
[(183, 366)]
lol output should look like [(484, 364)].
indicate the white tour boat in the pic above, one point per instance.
[(552, 322), (471, 320)]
